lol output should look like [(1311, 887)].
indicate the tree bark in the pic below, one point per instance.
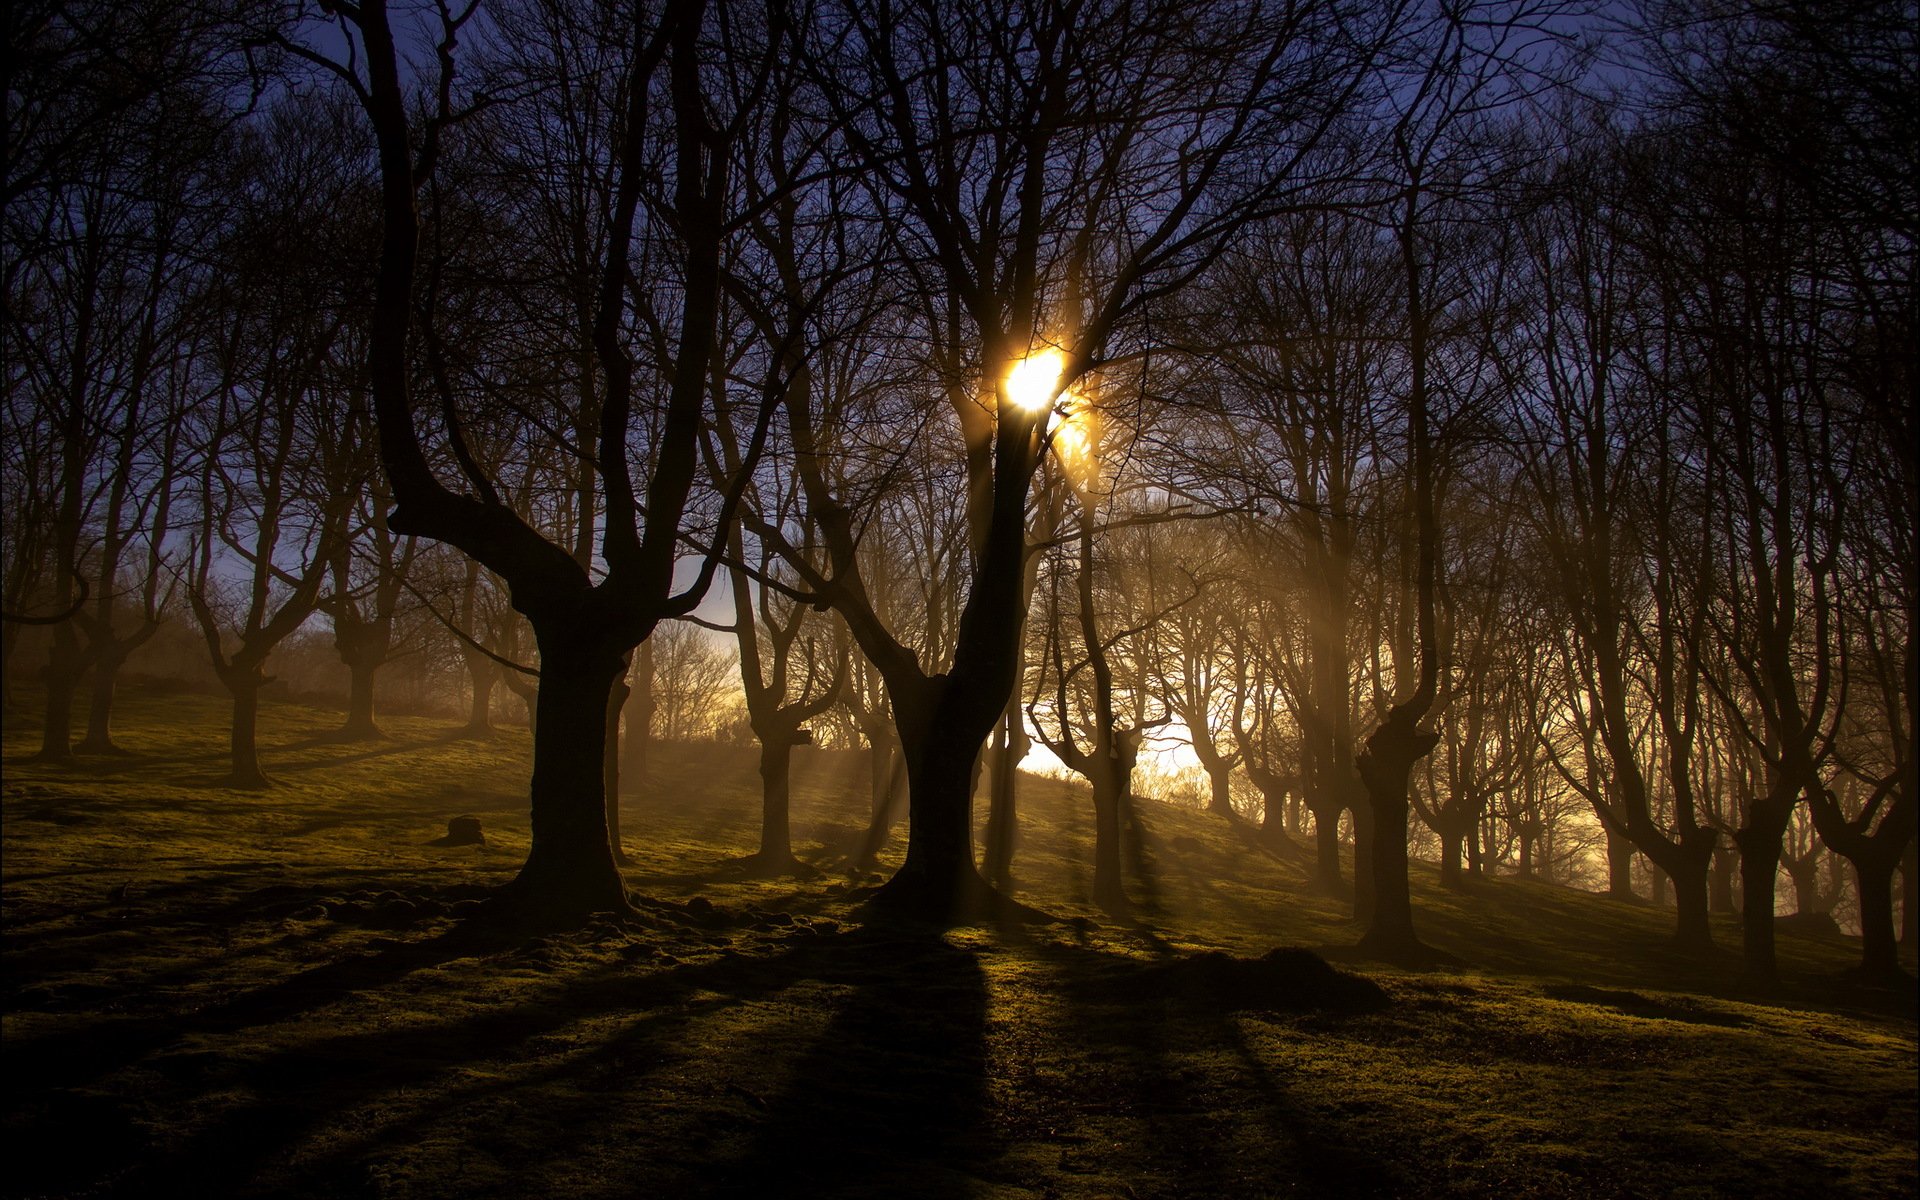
[(1010, 747), (610, 772), (1879, 948), (106, 676), (360, 725), (1759, 842), (243, 738), (570, 870), (1326, 840), (1692, 927), (776, 802), (636, 750), (1720, 881), (481, 678), (1619, 867), (1108, 891), (64, 667), (1804, 874), (939, 882), (1910, 905), (1385, 768), (1450, 875)]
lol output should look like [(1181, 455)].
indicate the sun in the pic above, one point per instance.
[(1034, 381)]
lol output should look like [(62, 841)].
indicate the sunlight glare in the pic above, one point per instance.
[(1035, 380)]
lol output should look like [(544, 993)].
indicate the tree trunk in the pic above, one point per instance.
[(1326, 842), (1362, 811), (106, 674), (887, 767), (1909, 917), (610, 770), (482, 677), (1693, 930), (1010, 746), (776, 801), (1720, 881), (938, 881), (1385, 769), (1108, 891), (360, 726), (1450, 858), (1879, 951), (1805, 876), (62, 678), (1657, 885), (1759, 843), (641, 706), (1273, 817), (1619, 866), (570, 870), (1219, 787), (243, 740), (880, 769)]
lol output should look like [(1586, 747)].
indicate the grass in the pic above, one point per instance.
[(212, 992)]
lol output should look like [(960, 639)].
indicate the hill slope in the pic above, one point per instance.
[(275, 994)]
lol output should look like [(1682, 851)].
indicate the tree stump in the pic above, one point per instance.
[(462, 831)]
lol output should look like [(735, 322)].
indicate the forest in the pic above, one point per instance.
[(1068, 597)]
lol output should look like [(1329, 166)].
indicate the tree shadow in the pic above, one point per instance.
[(1228, 1127), (891, 1100)]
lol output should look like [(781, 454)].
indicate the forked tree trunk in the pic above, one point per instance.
[(1692, 928), (1386, 768), (570, 870), (1219, 787), (1720, 881), (1879, 949), (243, 737), (1619, 866), (360, 725), (939, 881), (1326, 842), (1273, 817), (106, 676), (1759, 842), (1804, 874)]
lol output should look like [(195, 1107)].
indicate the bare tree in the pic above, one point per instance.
[(669, 119)]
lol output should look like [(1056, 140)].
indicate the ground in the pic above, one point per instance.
[(212, 992)]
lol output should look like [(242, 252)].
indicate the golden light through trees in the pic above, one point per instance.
[(1034, 381)]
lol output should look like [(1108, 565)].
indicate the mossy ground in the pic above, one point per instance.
[(213, 992)]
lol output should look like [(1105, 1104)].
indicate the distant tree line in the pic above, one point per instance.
[(1479, 429)]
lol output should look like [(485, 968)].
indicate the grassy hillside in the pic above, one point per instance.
[(274, 993)]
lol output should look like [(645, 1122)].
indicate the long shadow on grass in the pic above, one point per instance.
[(891, 1091), (891, 1099), (79, 1056), (1177, 1081)]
